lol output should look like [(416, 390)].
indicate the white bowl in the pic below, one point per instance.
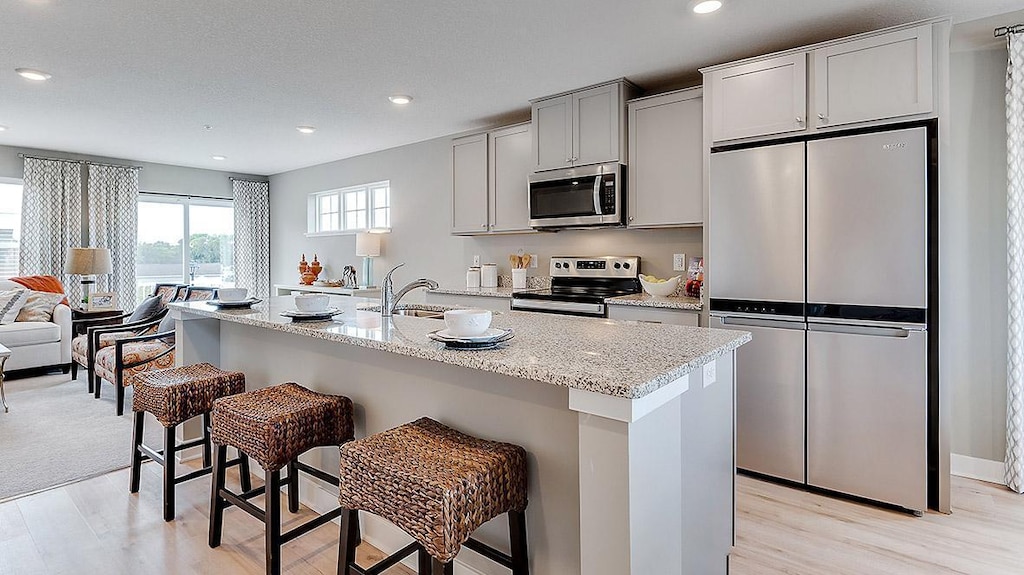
[(663, 289), (467, 322), (311, 301), (232, 294)]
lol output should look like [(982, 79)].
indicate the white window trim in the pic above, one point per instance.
[(186, 201), (312, 213)]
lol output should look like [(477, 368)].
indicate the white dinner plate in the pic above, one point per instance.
[(489, 335), (297, 314)]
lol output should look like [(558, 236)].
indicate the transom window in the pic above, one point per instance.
[(351, 209)]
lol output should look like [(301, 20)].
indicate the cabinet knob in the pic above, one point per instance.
[(799, 120), (483, 225), (630, 218), (823, 117)]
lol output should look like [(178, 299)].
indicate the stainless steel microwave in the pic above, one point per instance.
[(578, 197)]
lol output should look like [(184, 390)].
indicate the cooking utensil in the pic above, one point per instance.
[(513, 261), (525, 260)]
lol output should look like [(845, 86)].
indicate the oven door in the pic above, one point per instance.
[(560, 307), (585, 196)]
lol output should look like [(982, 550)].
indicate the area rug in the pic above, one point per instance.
[(56, 433)]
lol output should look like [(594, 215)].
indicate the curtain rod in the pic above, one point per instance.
[(1004, 30), (78, 161), (234, 179), (185, 196)]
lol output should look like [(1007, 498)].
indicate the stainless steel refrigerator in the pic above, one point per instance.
[(821, 249)]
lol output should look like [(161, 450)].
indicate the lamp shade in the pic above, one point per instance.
[(367, 244), (88, 261)]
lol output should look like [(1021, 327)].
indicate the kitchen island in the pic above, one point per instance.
[(628, 426)]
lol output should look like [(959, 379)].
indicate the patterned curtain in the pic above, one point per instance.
[(1015, 262), (51, 220), (252, 236), (113, 224)]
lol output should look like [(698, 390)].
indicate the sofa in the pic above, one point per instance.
[(36, 344)]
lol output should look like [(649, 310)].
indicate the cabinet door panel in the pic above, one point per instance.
[(552, 132), (469, 185), (510, 190), (874, 78), (761, 98), (596, 114), (666, 161)]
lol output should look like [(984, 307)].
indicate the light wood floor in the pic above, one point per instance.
[(96, 526)]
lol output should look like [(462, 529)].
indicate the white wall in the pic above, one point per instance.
[(420, 176), (973, 348)]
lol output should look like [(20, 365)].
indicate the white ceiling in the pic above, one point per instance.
[(138, 80)]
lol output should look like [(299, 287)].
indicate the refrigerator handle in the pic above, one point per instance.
[(756, 322), (860, 330)]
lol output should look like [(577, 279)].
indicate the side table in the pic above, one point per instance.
[(4, 354), (82, 319)]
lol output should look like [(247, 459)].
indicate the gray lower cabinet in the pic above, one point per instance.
[(469, 184), (490, 191), (666, 160), (654, 315)]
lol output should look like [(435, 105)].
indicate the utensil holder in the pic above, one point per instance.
[(518, 279)]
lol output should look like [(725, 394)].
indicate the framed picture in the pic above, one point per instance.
[(102, 301)]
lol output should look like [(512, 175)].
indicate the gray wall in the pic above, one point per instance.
[(162, 178), (420, 176), (973, 350)]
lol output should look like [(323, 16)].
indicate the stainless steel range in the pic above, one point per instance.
[(579, 285)]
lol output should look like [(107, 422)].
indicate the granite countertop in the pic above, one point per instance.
[(620, 359), (505, 292), (647, 300)]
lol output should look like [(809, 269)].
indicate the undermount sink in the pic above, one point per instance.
[(432, 314)]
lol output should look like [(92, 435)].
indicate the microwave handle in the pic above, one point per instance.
[(597, 194)]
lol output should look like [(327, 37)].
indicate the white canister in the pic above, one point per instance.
[(473, 277), (518, 279), (489, 276)]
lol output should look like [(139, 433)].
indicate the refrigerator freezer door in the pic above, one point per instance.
[(867, 413), (769, 397), (756, 231), (866, 219)]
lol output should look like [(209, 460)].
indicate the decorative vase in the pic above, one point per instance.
[(315, 268), (303, 269)]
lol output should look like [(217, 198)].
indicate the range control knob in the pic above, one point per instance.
[(626, 265), (558, 265), (617, 265)]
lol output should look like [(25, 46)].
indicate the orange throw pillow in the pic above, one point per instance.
[(42, 283)]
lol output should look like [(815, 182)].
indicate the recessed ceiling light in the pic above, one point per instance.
[(219, 158), (705, 6), (3, 128), (30, 74), (207, 127), (400, 99), (306, 129)]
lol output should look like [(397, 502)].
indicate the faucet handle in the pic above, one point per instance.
[(387, 276)]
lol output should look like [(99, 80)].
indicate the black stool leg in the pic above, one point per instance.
[(293, 487), (517, 539), (169, 471), (207, 449), (220, 455), (347, 545), (438, 568), (273, 526), (243, 472), (137, 429), (423, 562)]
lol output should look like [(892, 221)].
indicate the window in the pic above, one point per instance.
[(352, 209), (207, 259), (10, 228)]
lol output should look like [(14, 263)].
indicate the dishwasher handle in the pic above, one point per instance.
[(758, 322)]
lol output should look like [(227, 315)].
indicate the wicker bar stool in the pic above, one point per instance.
[(275, 425), (438, 485), (174, 396)]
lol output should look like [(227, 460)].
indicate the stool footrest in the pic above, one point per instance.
[(388, 562), (489, 552), (310, 525), (318, 473), (233, 499)]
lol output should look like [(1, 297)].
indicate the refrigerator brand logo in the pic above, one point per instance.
[(894, 146)]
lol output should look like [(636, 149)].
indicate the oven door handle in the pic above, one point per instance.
[(597, 194)]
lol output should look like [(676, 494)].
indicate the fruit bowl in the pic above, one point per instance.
[(659, 288)]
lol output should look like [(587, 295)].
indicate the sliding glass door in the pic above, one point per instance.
[(206, 259)]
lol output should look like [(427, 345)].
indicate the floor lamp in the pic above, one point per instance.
[(88, 262)]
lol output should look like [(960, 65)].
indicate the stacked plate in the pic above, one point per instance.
[(234, 304), (297, 315), (487, 340)]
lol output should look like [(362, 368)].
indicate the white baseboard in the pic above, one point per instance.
[(977, 468)]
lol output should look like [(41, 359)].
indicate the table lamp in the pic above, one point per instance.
[(88, 262), (367, 246)]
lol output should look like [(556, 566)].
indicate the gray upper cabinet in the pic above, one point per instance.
[(490, 192), (760, 98), (582, 127), (469, 184), (509, 188), (666, 160), (876, 78)]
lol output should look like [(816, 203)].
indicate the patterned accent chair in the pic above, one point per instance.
[(123, 358), (82, 353)]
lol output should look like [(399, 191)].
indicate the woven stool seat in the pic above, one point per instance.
[(274, 425), (178, 394), (437, 484)]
